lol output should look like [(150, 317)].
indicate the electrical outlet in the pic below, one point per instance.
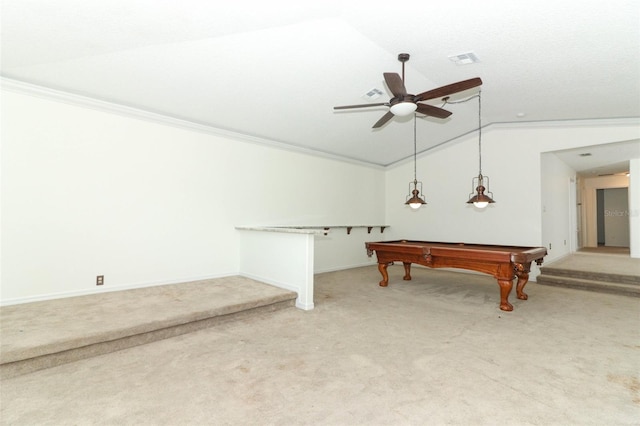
[(100, 280)]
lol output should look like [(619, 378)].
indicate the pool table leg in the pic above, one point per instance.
[(505, 290), (407, 271), (522, 272), (382, 267)]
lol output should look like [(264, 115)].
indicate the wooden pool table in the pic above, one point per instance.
[(503, 262)]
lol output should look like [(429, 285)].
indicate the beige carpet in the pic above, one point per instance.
[(606, 250), (40, 328), (436, 350), (609, 263)]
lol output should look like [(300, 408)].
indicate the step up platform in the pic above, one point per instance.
[(565, 280), (601, 273), (39, 335)]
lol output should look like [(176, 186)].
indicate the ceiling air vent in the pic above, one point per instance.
[(464, 58), (372, 94)]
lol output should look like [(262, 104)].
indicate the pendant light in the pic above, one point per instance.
[(413, 199), (480, 199)]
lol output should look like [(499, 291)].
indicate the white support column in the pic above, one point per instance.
[(634, 207), (283, 257)]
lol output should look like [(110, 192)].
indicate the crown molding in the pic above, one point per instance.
[(600, 122), (140, 114), (131, 112)]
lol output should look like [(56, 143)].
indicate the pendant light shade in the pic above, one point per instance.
[(415, 202), (480, 199)]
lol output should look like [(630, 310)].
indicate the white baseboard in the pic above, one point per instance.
[(270, 282), (304, 306), (342, 268)]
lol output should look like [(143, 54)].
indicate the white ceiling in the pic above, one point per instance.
[(275, 69), (601, 160)]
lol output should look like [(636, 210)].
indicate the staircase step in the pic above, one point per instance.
[(592, 285), (40, 335), (592, 275)]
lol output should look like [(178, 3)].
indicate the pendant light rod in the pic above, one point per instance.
[(480, 199), (413, 199), (415, 150), (479, 133)]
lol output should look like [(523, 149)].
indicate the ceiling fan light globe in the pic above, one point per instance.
[(481, 204), (403, 108), (415, 206)]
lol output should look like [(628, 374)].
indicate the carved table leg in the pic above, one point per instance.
[(522, 272), (407, 271), (505, 290), (382, 267)]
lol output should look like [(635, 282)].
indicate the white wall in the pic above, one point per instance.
[(87, 192), (283, 259), (447, 174), (511, 156), (634, 207), (338, 250), (557, 206)]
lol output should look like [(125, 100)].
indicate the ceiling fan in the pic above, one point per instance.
[(403, 103)]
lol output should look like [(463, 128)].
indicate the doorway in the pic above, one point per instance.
[(612, 217), (603, 212)]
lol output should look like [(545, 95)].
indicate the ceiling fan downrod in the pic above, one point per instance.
[(403, 57)]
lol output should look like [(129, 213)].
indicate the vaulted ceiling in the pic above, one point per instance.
[(274, 70)]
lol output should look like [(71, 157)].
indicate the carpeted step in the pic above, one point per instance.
[(40, 335), (615, 278), (577, 282)]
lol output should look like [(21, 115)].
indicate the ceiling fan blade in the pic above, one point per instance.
[(433, 111), (361, 105), (448, 89), (388, 116), (395, 83)]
